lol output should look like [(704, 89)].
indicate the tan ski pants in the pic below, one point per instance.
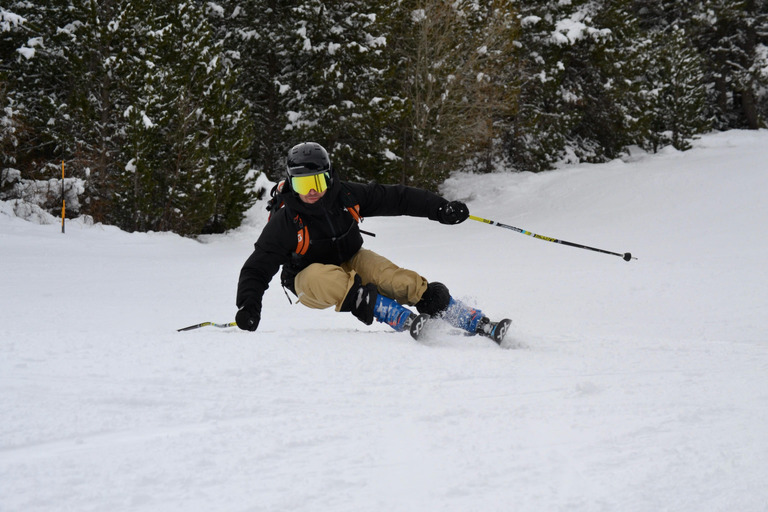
[(321, 286)]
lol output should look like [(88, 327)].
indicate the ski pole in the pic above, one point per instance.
[(626, 256), (204, 324)]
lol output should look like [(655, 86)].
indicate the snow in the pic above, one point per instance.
[(9, 20), (390, 155), (530, 21), (573, 29), (216, 10), (624, 386), (27, 53), (375, 42), (146, 120)]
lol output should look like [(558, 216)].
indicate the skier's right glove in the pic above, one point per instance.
[(248, 316)]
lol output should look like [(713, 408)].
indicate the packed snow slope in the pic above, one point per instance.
[(624, 386)]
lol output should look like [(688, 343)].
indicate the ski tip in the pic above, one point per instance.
[(500, 330), (417, 326)]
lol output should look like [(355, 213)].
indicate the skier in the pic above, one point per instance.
[(314, 234)]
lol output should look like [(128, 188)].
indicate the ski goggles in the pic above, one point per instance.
[(303, 184)]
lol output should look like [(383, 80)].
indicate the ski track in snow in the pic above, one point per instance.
[(623, 386)]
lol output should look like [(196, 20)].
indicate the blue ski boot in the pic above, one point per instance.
[(473, 321), (462, 316), (398, 317)]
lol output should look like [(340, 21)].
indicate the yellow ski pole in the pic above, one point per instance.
[(626, 256)]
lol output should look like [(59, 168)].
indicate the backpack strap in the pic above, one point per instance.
[(351, 204), (353, 207), (302, 235), (275, 202), (354, 211)]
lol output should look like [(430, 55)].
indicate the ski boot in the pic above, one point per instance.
[(473, 321), (398, 317)]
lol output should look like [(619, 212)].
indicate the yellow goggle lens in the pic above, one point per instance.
[(303, 184)]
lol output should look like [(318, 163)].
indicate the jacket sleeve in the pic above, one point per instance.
[(273, 248), (390, 200)]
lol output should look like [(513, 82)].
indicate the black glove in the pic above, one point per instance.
[(248, 316), (453, 212)]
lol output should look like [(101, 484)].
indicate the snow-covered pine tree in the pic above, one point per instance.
[(604, 75), (579, 94), (66, 85), (188, 132), (258, 41), (674, 90), (19, 43), (339, 59), (11, 25), (308, 70), (733, 36), (539, 131), (447, 85)]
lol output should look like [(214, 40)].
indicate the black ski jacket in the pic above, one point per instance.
[(334, 235)]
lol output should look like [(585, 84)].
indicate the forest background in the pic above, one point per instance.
[(164, 114)]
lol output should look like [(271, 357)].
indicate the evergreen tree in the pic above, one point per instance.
[(349, 74), (259, 39), (28, 85), (580, 92), (607, 78), (446, 86), (159, 111), (68, 88), (308, 72), (338, 80), (11, 25), (548, 103), (731, 38), (141, 105), (733, 35), (674, 91), (187, 135)]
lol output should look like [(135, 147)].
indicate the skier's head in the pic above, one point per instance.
[(309, 168)]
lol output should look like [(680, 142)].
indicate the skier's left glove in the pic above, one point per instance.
[(452, 212), (248, 316)]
